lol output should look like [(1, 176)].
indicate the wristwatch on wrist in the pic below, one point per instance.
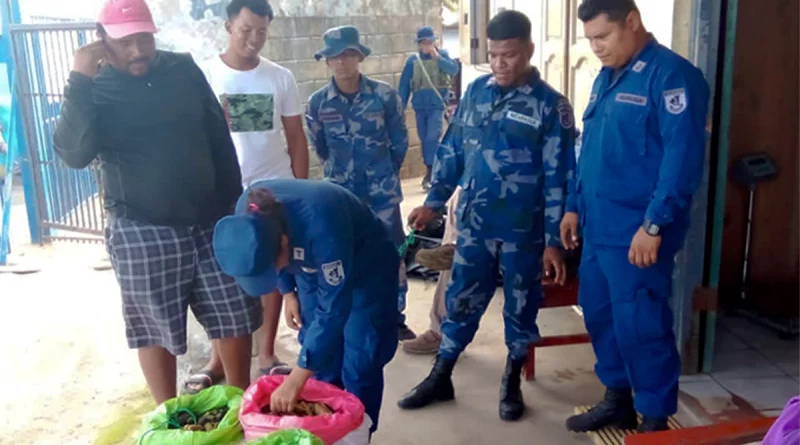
[(650, 228)]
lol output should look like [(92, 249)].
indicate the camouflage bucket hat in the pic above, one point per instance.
[(339, 40)]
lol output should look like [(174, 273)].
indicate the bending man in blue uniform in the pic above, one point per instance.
[(641, 161), (318, 240), (511, 149), (358, 131), (428, 75)]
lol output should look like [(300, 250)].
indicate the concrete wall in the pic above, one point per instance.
[(388, 27)]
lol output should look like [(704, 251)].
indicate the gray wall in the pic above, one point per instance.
[(388, 27)]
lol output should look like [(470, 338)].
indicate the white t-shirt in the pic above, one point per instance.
[(254, 102)]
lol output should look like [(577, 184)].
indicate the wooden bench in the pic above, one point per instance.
[(555, 296)]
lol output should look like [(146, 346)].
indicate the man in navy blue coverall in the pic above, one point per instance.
[(641, 161), (319, 240)]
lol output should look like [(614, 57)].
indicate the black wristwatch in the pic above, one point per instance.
[(650, 228)]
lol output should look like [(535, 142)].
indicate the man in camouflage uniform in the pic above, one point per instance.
[(427, 75), (511, 149), (357, 128)]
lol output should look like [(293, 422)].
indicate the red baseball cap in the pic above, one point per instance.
[(122, 18)]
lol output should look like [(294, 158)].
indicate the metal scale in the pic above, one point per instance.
[(750, 171)]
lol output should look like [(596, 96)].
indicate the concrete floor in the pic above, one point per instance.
[(73, 375)]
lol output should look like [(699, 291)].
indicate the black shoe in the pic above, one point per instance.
[(653, 424), (616, 409), (437, 387), (512, 407), (405, 333), (426, 181)]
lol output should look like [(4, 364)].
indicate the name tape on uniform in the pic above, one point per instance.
[(330, 117), (632, 99), (523, 119), (675, 100)]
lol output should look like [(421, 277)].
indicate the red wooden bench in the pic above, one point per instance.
[(555, 296)]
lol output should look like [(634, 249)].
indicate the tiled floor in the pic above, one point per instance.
[(753, 363), (754, 372)]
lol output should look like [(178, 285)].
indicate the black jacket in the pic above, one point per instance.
[(166, 156)]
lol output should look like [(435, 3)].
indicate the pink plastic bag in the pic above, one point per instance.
[(348, 411)]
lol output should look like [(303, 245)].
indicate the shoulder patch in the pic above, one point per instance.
[(566, 116), (675, 100), (334, 272), (634, 99)]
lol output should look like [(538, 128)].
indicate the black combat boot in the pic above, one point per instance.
[(426, 181), (653, 424), (511, 404), (437, 387), (616, 409)]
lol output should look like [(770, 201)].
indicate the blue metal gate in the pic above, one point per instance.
[(69, 202)]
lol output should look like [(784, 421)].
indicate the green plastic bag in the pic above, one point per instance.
[(289, 437), (156, 430)]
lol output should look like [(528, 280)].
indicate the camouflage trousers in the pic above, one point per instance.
[(393, 221), (473, 284)]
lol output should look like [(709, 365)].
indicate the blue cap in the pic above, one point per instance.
[(426, 33), (244, 250), (339, 40)]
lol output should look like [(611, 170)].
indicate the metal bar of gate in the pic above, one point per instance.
[(69, 200)]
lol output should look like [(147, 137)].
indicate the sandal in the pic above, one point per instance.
[(200, 381), (277, 368)]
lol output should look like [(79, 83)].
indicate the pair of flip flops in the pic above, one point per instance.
[(206, 379)]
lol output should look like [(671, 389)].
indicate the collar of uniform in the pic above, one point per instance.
[(530, 82), (644, 55), (333, 90)]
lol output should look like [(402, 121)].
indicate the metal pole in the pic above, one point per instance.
[(745, 264), (474, 35), (721, 174)]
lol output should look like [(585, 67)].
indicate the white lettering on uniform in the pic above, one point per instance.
[(632, 99), (675, 100), (523, 119)]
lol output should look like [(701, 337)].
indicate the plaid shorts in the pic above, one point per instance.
[(162, 271)]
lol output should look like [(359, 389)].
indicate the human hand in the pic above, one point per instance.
[(419, 218), (284, 398), (555, 269), (569, 231), (644, 249), (88, 58), (291, 311)]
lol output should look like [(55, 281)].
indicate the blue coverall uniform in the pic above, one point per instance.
[(362, 145), (428, 106), (343, 266), (512, 152), (642, 158)]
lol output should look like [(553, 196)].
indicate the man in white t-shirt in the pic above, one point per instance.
[(263, 109)]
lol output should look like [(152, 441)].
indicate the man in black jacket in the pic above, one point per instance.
[(169, 172)]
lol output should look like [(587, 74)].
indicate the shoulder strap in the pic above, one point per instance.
[(428, 78)]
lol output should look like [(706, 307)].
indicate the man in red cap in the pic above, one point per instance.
[(169, 173)]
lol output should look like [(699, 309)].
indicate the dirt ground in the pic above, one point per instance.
[(69, 378)]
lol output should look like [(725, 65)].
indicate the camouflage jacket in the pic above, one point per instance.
[(361, 145), (513, 153)]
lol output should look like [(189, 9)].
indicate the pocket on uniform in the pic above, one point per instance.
[(652, 316)]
